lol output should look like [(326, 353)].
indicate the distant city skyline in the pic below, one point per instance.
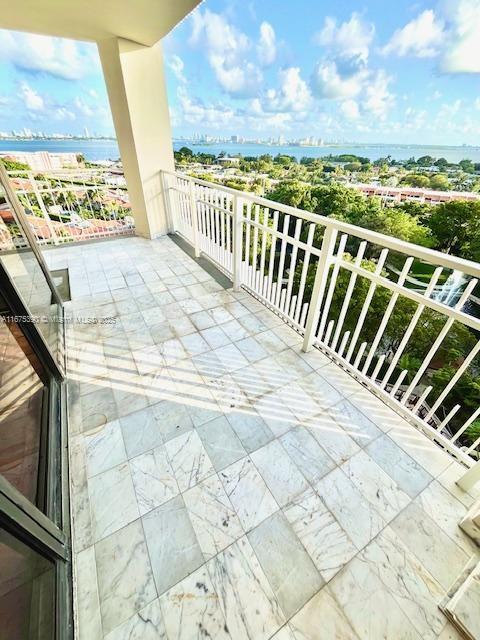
[(272, 68)]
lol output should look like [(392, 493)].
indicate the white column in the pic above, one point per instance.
[(135, 80)]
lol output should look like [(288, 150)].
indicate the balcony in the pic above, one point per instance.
[(252, 451), (237, 469)]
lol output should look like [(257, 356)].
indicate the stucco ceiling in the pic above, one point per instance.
[(142, 21)]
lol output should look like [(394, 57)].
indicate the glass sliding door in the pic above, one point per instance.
[(35, 582)]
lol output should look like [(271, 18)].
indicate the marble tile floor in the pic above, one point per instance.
[(226, 485)]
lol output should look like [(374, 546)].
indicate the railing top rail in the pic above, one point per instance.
[(429, 255)]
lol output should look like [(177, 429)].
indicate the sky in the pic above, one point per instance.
[(372, 71)]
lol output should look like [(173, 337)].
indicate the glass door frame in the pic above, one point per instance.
[(44, 527)]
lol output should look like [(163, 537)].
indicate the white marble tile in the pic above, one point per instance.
[(289, 360), (279, 472), (153, 479), (172, 417), (141, 432), (332, 437), (112, 500), (420, 448), (202, 320), (447, 512), (270, 341), (194, 344), (371, 609), (340, 379), (322, 612), (215, 337), (250, 429), (355, 423), (221, 442), (368, 403), (82, 528), (310, 458), (411, 477), (327, 543), (214, 520), (172, 545), (303, 405), (146, 624), (104, 448), (191, 609), (220, 315), (251, 349), (417, 593), (231, 357), (125, 580), (289, 569), (248, 493), (285, 633), (189, 460), (246, 598), (321, 390), (172, 350), (375, 485), (351, 509), (449, 479), (275, 413), (430, 544), (89, 621), (234, 330)]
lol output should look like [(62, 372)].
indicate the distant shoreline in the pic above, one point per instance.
[(107, 149)]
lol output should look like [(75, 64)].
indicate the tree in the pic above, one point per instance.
[(467, 166), (456, 225), (440, 182), (441, 162), (294, 193), (416, 180), (13, 165), (425, 161)]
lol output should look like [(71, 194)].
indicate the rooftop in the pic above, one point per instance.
[(226, 484)]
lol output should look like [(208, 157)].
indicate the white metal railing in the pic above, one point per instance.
[(297, 262), (69, 205)]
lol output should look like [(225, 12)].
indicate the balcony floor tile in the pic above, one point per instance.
[(195, 419)]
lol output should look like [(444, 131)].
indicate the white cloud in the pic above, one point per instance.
[(461, 53), (266, 48), (177, 66), (327, 82), (350, 39), (83, 107), (33, 100), (378, 99), (195, 111), (58, 57), (422, 37), (350, 110), (293, 95), (226, 48), (62, 113), (449, 110), (240, 81)]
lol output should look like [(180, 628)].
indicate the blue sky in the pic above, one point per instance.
[(376, 72)]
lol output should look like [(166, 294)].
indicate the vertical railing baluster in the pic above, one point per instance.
[(237, 241), (319, 286)]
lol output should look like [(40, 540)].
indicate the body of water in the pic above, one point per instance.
[(108, 149), (93, 150), (372, 151)]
